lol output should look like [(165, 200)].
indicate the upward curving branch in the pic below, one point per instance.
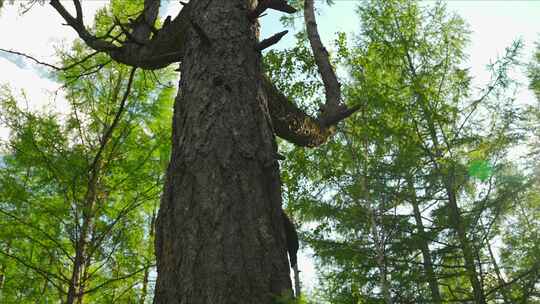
[(290, 122), (334, 110), (144, 50)]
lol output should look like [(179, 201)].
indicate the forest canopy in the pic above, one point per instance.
[(425, 190)]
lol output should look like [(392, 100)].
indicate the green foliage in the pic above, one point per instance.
[(288, 299), (423, 130), (91, 174), (480, 169), (521, 236), (289, 20)]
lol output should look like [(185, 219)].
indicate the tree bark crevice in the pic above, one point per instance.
[(219, 231)]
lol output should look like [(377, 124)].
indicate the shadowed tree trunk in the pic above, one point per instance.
[(220, 226), (456, 221)]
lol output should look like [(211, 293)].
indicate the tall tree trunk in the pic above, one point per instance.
[(381, 260), (378, 240), (297, 283), (3, 267), (220, 233), (500, 278), (468, 254), (507, 299), (83, 279), (76, 284), (74, 290), (144, 290), (426, 254), (456, 220)]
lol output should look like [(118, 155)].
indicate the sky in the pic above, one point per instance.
[(494, 24)]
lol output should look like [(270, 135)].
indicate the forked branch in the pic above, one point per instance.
[(141, 49), (77, 24)]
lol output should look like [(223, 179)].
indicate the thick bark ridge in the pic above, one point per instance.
[(219, 231)]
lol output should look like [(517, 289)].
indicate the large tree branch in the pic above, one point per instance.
[(144, 25), (290, 122), (77, 24), (334, 110), (151, 52)]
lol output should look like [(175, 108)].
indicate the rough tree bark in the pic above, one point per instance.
[(220, 230)]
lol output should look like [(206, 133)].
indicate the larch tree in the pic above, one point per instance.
[(79, 189), (220, 235), (380, 215)]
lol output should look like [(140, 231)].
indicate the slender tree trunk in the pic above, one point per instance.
[(504, 292), (500, 279), (468, 254), (76, 284), (455, 214), (75, 290), (78, 263), (297, 283), (3, 267), (381, 263), (424, 247), (144, 290), (377, 240), (220, 233), (83, 280), (45, 282)]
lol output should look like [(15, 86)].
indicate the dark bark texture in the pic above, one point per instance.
[(220, 232)]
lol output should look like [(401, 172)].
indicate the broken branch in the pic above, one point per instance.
[(278, 5), (270, 41), (290, 122)]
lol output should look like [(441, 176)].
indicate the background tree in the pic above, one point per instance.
[(520, 254), (409, 197), (80, 189), (409, 203)]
